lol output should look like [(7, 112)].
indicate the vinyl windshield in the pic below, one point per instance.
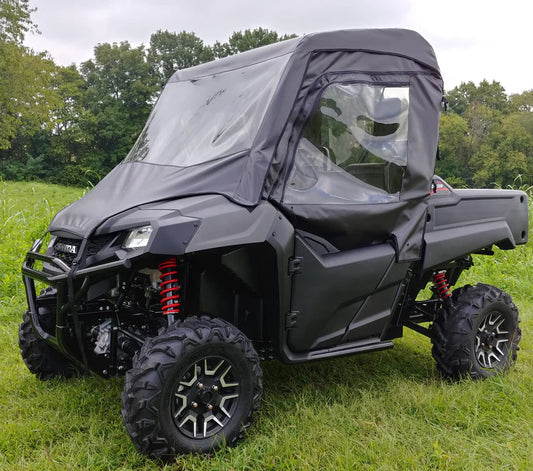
[(215, 116)]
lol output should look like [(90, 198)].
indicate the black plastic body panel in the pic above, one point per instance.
[(197, 223), (343, 296), (465, 221)]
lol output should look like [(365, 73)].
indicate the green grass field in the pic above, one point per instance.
[(388, 410)]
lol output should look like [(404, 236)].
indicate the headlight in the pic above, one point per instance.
[(138, 237)]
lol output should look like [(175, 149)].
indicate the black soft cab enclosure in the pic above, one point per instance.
[(279, 203)]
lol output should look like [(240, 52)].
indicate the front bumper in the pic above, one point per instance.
[(70, 282)]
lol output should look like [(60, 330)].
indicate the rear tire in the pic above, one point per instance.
[(40, 358), (192, 388), (477, 335)]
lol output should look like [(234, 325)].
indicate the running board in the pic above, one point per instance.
[(351, 348)]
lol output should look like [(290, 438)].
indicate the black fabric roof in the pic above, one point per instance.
[(391, 41)]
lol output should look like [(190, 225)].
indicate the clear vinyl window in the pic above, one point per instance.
[(353, 148), (196, 121)]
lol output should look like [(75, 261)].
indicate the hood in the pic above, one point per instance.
[(136, 183)]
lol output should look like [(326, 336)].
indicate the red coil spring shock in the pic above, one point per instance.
[(170, 287), (441, 283)]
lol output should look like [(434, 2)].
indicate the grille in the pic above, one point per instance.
[(66, 249)]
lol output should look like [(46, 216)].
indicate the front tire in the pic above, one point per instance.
[(40, 358), (477, 334), (191, 389)]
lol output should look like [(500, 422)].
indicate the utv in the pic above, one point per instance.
[(279, 203)]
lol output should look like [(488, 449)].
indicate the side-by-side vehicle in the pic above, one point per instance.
[(279, 203)]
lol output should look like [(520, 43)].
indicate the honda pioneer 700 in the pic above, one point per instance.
[(278, 203)]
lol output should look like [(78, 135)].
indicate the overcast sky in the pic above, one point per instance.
[(473, 39)]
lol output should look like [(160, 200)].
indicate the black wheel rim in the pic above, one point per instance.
[(492, 341), (205, 397)]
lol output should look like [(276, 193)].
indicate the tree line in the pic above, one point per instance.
[(486, 139), (72, 125)]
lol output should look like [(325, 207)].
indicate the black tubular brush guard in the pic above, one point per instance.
[(63, 281)]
